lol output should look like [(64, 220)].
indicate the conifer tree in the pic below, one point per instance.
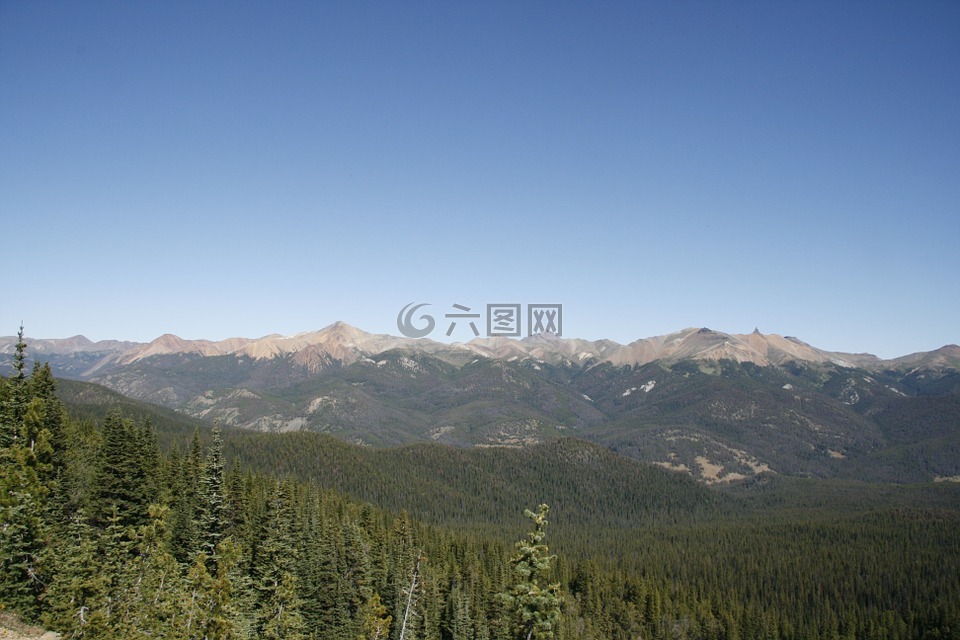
[(147, 452), (185, 537), (78, 594), (149, 590), (278, 615), (45, 427), (211, 520), (183, 505), (430, 604), (536, 607), (13, 395), (355, 589), (24, 524), (325, 611), (22, 534), (123, 481), (376, 622), (458, 619), (42, 386), (236, 504), (209, 602), (411, 598), (81, 461), (403, 563)]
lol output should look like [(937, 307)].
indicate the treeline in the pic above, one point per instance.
[(105, 535), (779, 557)]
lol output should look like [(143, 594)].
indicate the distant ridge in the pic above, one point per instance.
[(344, 343), (721, 407)]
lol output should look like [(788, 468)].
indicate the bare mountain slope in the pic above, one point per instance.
[(345, 344), (718, 406)]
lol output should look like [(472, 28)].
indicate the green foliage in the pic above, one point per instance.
[(688, 409), (29, 487), (274, 570), (13, 396), (104, 537), (209, 598), (376, 622), (126, 475), (78, 594), (146, 597), (22, 534), (211, 519), (536, 607)]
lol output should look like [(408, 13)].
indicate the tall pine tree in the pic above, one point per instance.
[(278, 610), (535, 606), (24, 519), (125, 480), (212, 516)]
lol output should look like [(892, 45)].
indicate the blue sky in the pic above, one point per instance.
[(217, 169)]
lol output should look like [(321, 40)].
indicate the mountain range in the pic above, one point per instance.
[(720, 407)]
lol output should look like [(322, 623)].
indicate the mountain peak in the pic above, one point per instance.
[(947, 356), (344, 343), (543, 336), (168, 344), (341, 328)]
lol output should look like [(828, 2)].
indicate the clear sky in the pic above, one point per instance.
[(217, 169)]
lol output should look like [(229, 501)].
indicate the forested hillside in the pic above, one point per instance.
[(715, 406), (125, 524)]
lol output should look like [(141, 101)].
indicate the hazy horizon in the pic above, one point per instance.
[(241, 169)]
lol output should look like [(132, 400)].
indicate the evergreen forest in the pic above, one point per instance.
[(126, 524)]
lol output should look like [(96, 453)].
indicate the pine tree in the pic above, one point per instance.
[(458, 619), (324, 610), (21, 537), (211, 520), (536, 608), (355, 589), (376, 622), (24, 521), (147, 452), (185, 539), (78, 594), (411, 598), (403, 560), (236, 504), (124, 479), (42, 386), (115, 549), (209, 601), (81, 456), (45, 429), (430, 603), (13, 394), (278, 612), (148, 592)]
